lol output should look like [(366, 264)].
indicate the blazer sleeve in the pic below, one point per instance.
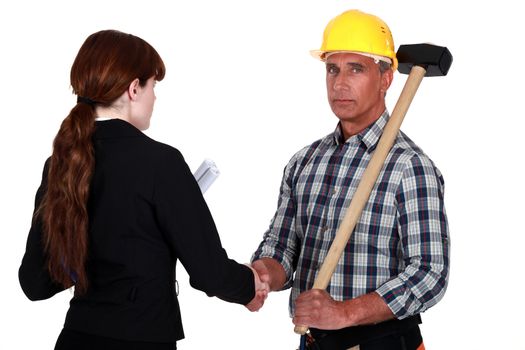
[(190, 231), (33, 274)]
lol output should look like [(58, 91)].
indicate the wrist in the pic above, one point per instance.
[(350, 313), (366, 309)]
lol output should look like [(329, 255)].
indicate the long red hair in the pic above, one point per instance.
[(103, 69)]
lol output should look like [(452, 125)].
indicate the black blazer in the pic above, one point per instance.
[(146, 211)]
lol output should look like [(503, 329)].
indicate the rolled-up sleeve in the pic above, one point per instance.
[(424, 240)]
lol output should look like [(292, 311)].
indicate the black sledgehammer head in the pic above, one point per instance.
[(435, 59)]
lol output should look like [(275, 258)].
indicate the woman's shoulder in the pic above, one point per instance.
[(164, 150), (163, 155)]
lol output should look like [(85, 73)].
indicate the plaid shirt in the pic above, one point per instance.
[(399, 247)]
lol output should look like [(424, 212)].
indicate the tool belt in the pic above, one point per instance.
[(345, 338)]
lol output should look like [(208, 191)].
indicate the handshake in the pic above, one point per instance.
[(262, 285)]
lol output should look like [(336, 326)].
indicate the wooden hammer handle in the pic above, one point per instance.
[(353, 213)]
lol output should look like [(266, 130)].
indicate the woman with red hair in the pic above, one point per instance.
[(116, 210)]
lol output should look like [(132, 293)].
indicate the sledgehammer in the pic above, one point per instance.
[(418, 61)]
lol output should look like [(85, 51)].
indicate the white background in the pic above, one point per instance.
[(242, 90)]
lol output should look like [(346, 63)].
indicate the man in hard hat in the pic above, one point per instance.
[(396, 263)]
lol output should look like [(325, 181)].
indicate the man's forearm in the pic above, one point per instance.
[(316, 308), (367, 309)]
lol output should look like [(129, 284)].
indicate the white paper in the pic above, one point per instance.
[(206, 174)]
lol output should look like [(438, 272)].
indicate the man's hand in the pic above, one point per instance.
[(261, 292), (271, 272), (316, 308)]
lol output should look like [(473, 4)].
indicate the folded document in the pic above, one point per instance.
[(206, 174)]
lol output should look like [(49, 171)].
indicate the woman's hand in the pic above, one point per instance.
[(262, 289)]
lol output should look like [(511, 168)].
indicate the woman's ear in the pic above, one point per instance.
[(133, 89)]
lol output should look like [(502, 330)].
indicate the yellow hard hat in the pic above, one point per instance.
[(359, 32)]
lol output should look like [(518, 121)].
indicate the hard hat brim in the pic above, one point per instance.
[(321, 56), (318, 54)]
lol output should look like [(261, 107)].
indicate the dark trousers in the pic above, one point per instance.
[(72, 340), (409, 340), (389, 335)]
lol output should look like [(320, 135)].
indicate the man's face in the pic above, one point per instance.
[(356, 88)]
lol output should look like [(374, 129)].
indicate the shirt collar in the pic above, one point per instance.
[(369, 136)]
